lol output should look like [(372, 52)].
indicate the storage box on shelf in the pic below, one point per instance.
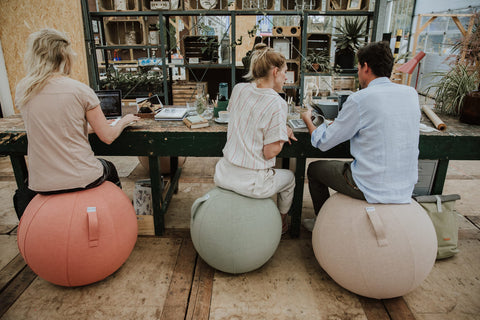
[(287, 31), (301, 5), (344, 83), (125, 31), (206, 4), (200, 49), (334, 5), (148, 5), (184, 91), (289, 46), (254, 4), (118, 5), (319, 41), (292, 73)]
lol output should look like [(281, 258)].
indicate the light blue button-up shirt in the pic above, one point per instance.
[(382, 124)]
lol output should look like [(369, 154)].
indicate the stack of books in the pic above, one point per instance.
[(194, 122)]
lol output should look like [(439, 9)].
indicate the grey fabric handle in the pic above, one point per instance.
[(433, 198), (378, 226), (197, 203)]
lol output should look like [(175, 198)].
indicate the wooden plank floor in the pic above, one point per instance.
[(164, 278), (189, 296)]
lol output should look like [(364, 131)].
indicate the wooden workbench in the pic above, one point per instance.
[(172, 138)]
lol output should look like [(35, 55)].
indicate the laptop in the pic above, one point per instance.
[(111, 103)]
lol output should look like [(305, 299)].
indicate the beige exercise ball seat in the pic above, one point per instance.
[(379, 251)]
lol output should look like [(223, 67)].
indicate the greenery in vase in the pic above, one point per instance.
[(452, 86), (350, 34), (317, 60)]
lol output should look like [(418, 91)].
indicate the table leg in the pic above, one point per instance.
[(440, 175), (173, 169), (20, 170), (296, 209), (157, 201)]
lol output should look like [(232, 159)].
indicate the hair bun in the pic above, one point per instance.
[(260, 46)]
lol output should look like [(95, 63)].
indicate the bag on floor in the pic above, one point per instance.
[(441, 209)]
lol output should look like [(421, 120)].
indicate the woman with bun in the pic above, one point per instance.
[(257, 131)]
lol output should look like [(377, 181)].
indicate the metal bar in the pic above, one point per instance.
[(233, 57), (304, 25), (157, 201), (89, 46), (296, 209), (440, 176), (19, 170), (164, 61)]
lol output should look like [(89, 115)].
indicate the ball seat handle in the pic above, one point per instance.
[(92, 226), (378, 226), (197, 203)]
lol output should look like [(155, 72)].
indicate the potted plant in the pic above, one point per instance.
[(349, 38), (317, 61), (452, 86)]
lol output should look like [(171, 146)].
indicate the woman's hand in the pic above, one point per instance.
[(291, 136), (102, 127), (127, 120)]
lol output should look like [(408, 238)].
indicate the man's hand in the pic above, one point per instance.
[(308, 119), (291, 136)]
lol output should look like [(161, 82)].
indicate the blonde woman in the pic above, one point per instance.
[(57, 112), (257, 131)]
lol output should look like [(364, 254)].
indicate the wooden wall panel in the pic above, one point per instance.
[(18, 19)]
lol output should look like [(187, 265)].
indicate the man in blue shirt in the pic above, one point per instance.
[(382, 123)]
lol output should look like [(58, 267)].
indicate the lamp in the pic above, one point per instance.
[(411, 65)]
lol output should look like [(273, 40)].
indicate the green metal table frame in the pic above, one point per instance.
[(461, 142)]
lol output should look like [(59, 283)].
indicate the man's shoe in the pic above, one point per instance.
[(309, 223)]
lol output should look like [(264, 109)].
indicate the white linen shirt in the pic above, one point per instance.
[(258, 117), (382, 124)]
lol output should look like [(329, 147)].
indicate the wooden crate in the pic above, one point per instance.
[(116, 29), (397, 76), (143, 194), (184, 91), (162, 5), (301, 5), (109, 5), (344, 83), (203, 5), (335, 5), (194, 47), (254, 4)]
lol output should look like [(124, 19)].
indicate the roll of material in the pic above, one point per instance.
[(437, 122)]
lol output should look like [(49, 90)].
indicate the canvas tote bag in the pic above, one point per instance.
[(441, 209)]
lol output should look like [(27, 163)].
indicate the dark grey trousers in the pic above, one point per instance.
[(334, 174)]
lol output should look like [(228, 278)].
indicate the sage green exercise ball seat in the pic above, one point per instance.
[(234, 233), (378, 251)]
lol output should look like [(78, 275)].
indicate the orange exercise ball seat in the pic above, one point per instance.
[(78, 238)]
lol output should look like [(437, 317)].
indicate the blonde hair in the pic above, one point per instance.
[(262, 60), (48, 53)]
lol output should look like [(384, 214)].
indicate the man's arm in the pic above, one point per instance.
[(345, 126)]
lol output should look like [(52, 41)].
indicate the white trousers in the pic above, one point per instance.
[(259, 184)]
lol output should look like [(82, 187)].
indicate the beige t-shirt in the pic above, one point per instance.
[(59, 154)]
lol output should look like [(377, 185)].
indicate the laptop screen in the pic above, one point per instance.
[(110, 102)]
